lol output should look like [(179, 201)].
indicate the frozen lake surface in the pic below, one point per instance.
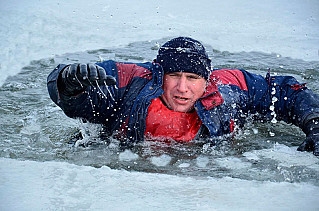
[(261, 169), (60, 186)]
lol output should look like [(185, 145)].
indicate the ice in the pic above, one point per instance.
[(162, 160), (202, 161), (184, 165), (29, 185), (284, 154), (232, 163), (127, 155), (33, 29), (251, 156)]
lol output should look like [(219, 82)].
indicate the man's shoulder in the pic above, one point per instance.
[(126, 71), (229, 77)]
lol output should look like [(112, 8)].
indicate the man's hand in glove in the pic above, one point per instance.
[(75, 78), (312, 140)]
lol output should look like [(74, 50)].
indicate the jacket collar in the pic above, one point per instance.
[(211, 97)]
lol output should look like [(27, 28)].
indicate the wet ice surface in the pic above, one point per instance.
[(33, 29), (73, 187), (261, 157)]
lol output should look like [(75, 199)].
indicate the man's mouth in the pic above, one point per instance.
[(181, 98)]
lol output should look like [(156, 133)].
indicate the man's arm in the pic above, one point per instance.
[(92, 96), (284, 98), (82, 90)]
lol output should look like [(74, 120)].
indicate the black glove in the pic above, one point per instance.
[(75, 78), (312, 140)]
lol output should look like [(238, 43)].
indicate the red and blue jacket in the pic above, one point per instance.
[(232, 95)]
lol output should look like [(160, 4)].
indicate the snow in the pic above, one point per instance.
[(29, 185), (34, 29)]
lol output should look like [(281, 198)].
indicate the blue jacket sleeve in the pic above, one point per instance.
[(282, 98), (95, 104)]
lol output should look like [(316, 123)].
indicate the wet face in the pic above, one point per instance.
[(181, 90)]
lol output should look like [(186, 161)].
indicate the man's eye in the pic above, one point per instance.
[(194, 77)]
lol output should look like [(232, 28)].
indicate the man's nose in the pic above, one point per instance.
[(182, 85)]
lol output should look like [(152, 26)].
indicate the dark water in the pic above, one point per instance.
[(34, 128)]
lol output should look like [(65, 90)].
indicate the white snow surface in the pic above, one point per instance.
[(34, 29), (29, 185)]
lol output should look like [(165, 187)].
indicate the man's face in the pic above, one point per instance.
[(181, 90)]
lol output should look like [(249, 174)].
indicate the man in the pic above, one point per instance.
[(178, 97)]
